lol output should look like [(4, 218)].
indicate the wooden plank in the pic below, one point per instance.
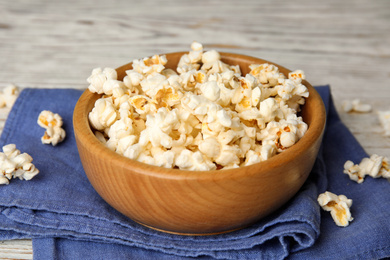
[(16, 249)]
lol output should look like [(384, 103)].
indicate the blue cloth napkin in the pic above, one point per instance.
[(67, 219)]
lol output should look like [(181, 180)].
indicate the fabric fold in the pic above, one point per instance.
[(67, 219)]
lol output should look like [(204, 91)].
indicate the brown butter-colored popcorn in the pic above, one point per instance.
[(338, 207)]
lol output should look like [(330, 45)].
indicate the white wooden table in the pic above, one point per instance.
[(56, 44)]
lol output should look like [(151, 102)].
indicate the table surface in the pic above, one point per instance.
[(56, 44)]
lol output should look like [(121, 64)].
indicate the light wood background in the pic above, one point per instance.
[(56, 44)]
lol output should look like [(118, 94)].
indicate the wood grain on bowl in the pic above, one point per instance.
[(198, 202)]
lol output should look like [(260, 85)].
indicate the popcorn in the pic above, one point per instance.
[(292, 93), (205, 116), (384, 118), (191, 78), (132, 80), (297, 75), (375, 166), (99, 77), (152, 83), (54, 133), (270, 110), (283, 133), (103, 114), (158, 127), (353, 171), (121, 133), (100, 137), (193, 161), (266, 73), (113, 87), (164, 158), (215, 67), (211, 90), (14, 164), (148, 66), (339, 207), (229, 156), (355, 106), (8, 96), (191, 60), (168, 97), (210, 147), (143, 104)]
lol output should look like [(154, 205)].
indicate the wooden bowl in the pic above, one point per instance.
[(198, 202)]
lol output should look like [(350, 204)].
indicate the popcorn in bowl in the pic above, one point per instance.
[(205, 115)]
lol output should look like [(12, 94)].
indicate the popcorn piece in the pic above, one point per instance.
[(163, 158), (297, 75), (152, 83), (14, 164), (270, 110), (53, 136), (132, 80), (266, 73), (283, 133), (190, 79), (292, 92), (229, 156), (191, 60), (99, 77), (158, 128), (100, 137), (210, 147), (339, 207), (142, 104), (54, 133), (193, 161), (103, 114), (3, 180), (384, 118), (8, 96), (210, 57), (355, 106), (113, 86), (353, 171), (167, 97), (211, 90), (215, 67), (376, 166), (148, 66), (48, 119)]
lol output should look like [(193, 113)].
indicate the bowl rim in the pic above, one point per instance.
[(84, 132)]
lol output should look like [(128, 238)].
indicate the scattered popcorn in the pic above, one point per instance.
[(14, 164), (384, 118), (353, 171), (338, 206), (355, 106), (8, 96), (376, 166), (205, 115), (54, 133)]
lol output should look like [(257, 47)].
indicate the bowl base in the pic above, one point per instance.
[(188, 233)]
